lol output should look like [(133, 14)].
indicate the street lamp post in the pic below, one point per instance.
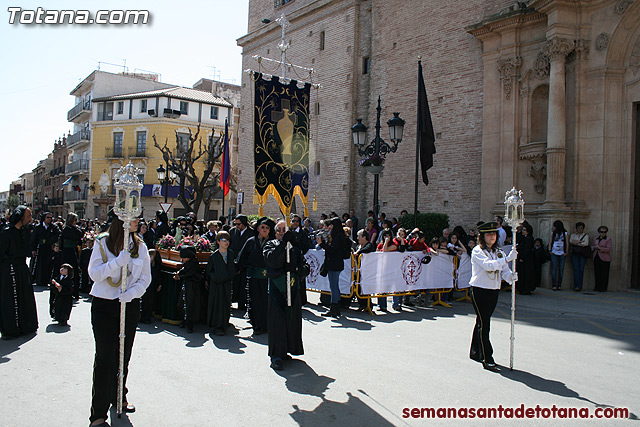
[(377, 148), (166, 176)]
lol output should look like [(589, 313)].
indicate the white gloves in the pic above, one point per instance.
[(512, 255), (123, 258), (126, 296), (514, 277)]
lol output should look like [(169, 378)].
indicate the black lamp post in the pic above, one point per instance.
[(377, 147), (166, 176), (45, 203)]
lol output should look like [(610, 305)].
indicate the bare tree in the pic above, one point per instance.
[(183, 161), (215, 188)]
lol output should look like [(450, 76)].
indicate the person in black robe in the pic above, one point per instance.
[(56, 263), (304, 243), (238, 235), (85, 256), (540, 256), (191, 276), (64, 298), (221, 270), (18, 314), (525, 263), (43, 237), (284, 321), (251, 259), (146, 304), (70, 239)]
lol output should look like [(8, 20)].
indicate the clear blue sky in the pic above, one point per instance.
[(41, 64)]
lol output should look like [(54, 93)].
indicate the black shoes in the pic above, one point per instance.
[(276, 365), (334, 311), (490, 366)]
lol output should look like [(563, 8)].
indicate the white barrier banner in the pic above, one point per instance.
[(393, 272), (464, 272), (315, 281)]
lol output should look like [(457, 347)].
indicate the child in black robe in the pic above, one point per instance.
[(191, 276), (56, 263), (64, 294)]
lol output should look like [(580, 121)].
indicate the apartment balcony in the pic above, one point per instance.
[(78, 138), (78, 167), (75, 196), (57, 171), (113, 153), (80, 112), (137, 152)]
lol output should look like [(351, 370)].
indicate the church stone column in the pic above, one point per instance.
[(556, 49)]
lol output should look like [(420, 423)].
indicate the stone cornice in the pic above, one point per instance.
[(497, 23)]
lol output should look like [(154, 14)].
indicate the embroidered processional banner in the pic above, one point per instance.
[(281, 142), (315, 281)]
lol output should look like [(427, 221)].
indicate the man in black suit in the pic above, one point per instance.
[(240, 233)]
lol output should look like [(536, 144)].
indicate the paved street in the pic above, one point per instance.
[(572, 350)]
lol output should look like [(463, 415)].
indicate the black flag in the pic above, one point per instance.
[(426, 138)]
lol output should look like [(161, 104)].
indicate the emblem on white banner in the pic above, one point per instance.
[(411, 268)]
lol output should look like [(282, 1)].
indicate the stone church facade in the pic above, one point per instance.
[(542, 95)]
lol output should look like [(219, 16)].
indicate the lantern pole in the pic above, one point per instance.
[(514, 216), (128, 186)]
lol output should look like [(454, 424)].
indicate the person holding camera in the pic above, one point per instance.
[(337, 248)]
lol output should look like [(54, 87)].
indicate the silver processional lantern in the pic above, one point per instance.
[(514, 207), (128, 186)]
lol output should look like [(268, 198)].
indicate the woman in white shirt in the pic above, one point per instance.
[(488, 266), (105, 268)]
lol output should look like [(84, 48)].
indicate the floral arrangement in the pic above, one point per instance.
[(167, 242), (200, 243), (88, 236), (373, 160)]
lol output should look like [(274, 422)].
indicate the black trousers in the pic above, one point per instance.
[(484, 303), (105, 319), (601, 270)]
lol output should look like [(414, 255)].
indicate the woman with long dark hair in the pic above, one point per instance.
[(105, 268), (559, 247), (337, 248), (488, 266)]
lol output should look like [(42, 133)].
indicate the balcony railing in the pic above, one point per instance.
[(113, 153), (137, 152), (81, 108), (78, 137), (57, 171), (72, 196), (78, 165)]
